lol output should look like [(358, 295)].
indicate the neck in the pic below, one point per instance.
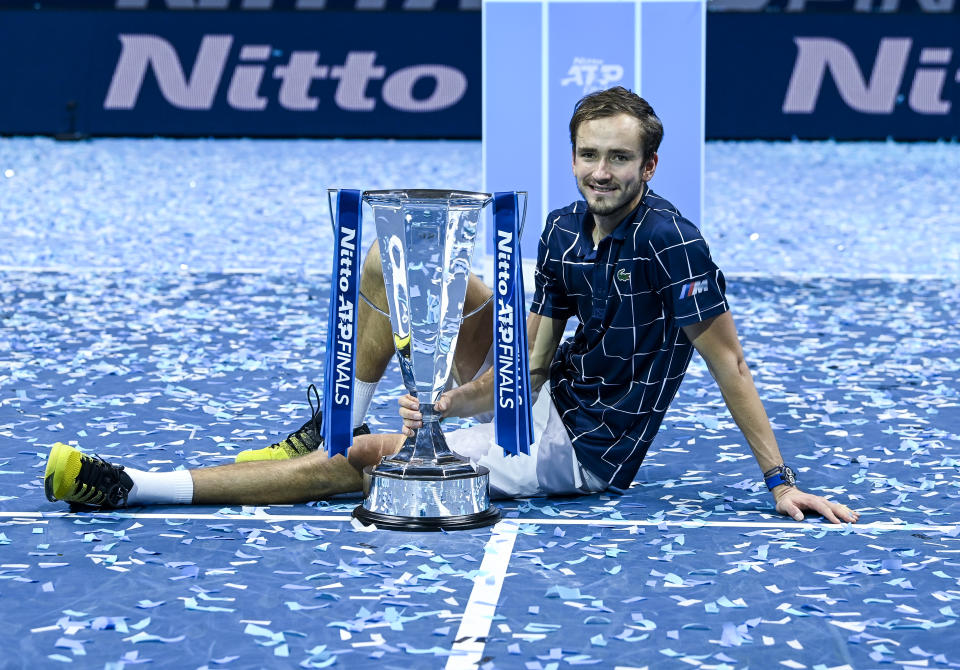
[(603, 226)]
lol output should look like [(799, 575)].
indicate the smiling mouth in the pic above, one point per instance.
[(602, 189)]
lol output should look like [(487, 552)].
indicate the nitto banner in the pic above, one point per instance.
[(324, 74), (840, 76), (417, 73)]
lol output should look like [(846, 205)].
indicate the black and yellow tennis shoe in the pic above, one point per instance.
[(305, 439), (84, 481)]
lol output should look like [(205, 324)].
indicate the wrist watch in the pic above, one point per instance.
[(782, 474)]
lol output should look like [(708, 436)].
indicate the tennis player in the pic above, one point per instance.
[(639, 279)]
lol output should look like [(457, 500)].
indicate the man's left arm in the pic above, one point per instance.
[(717, 342)]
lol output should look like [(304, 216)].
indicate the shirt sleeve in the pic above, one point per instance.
[(550, 299), (691, 286)]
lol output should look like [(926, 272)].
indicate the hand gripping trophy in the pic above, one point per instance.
[(426, 240)]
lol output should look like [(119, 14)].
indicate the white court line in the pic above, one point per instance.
[(608, 523), (471, 637)]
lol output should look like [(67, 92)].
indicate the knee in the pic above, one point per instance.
[(369, 449), (477, 294)]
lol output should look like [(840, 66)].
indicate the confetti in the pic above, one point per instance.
[(158, 367)]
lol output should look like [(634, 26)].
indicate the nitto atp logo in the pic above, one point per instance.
[(592, 74)]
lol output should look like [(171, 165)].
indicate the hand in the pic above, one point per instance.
[(410, 412), (791, 501)]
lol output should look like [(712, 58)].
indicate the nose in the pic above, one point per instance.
[(602, 172)]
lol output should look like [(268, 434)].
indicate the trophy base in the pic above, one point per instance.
[(427, 503), (421, 524)]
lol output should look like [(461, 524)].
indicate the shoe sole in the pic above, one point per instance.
[(63, 466)]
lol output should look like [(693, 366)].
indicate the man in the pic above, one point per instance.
[(640, 280)]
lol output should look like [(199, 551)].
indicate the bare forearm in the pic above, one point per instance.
[(544, 334), (716, 340), (475, 397), (741, 397)]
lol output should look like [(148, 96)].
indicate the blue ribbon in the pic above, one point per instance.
[(342, 325), (512, 421)]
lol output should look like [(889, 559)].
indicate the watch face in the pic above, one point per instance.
[(789, 476)]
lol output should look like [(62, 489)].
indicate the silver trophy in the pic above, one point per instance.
[(426, 242)]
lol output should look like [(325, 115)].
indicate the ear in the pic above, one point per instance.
[(646, 174), (573, 159)]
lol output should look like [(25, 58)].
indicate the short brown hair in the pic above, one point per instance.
[(618, 100)]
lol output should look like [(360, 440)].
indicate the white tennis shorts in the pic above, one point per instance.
[(551, 467)]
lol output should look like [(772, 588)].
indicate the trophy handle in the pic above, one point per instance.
[(523, 213), (482, 305), (331, 192), (333, 219)]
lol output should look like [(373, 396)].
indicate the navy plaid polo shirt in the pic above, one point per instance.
[(614, 379)]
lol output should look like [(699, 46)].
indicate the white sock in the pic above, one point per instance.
[(362, 397), (159, 488)]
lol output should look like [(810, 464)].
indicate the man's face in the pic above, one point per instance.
[(608, 164)]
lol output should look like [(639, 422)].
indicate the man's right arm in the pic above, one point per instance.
[(476, 397), (544, 334)]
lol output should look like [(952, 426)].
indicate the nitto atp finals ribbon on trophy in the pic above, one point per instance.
[(513, 423), (341, 327)]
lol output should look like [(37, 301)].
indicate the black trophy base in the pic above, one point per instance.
[(420, 524)]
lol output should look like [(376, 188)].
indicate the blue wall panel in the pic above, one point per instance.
[(578, 66), (514, 47), (671, 80)]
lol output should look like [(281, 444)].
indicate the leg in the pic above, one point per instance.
[(296, 480), (75, 477), (375, 348), (373, 353), (476, 332), (551, 467), (374, 334)]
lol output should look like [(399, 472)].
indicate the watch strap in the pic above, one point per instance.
[(779, 475)]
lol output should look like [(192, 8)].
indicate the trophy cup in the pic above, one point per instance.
[(426, 240)]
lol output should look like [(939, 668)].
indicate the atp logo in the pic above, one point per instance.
[(693, 288), (592, 74)]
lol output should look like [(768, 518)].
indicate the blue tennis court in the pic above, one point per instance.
[(164, 305)]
